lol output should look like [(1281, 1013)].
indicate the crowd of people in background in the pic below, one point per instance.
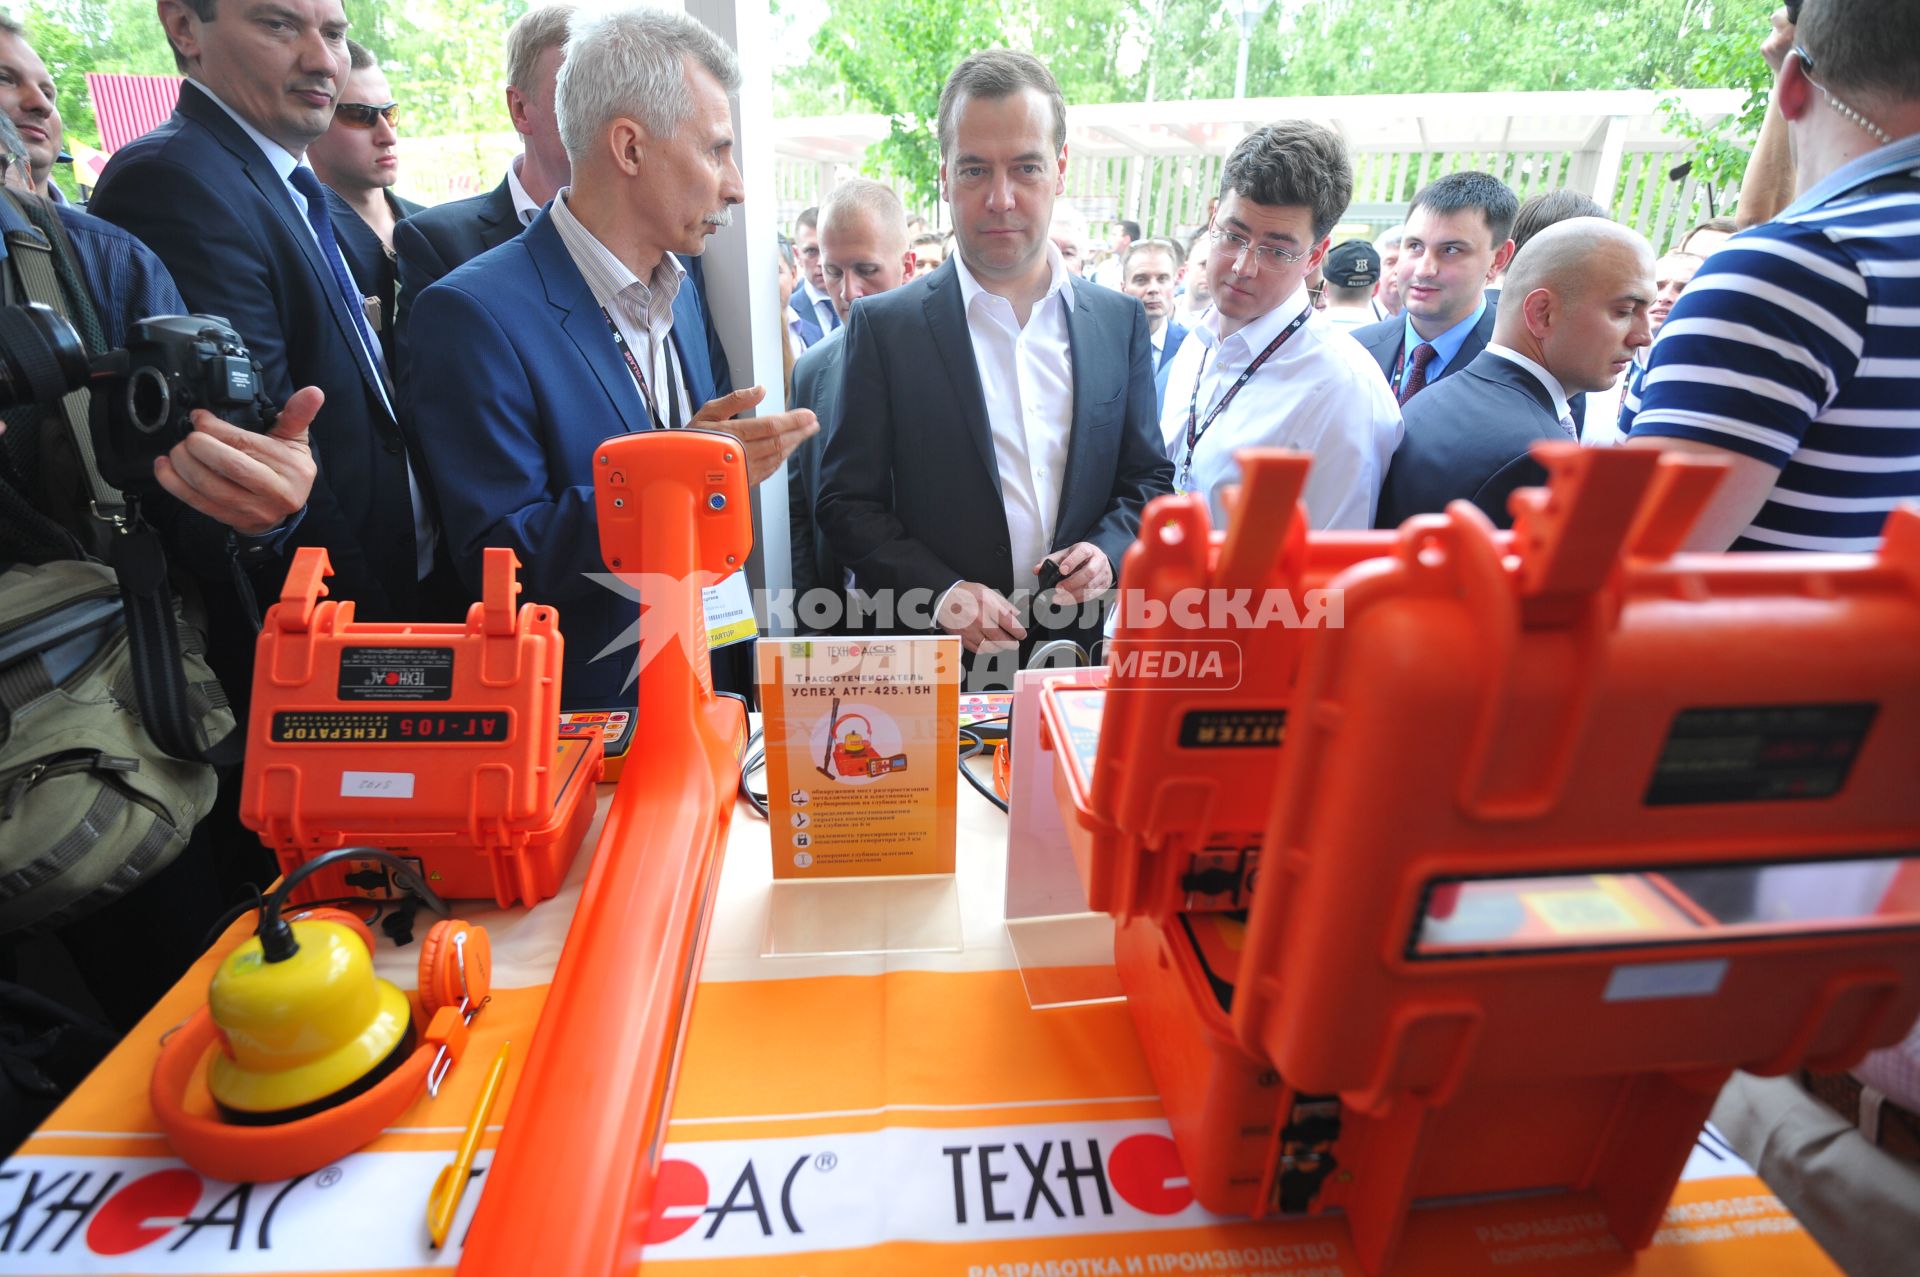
[(974, 418)]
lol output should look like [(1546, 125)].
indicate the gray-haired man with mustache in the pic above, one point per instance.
[(529, 355)]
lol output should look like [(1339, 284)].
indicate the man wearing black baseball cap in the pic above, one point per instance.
[(1351, 270)]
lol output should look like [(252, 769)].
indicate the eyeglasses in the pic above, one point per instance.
[(1263, 254), (360, 115)]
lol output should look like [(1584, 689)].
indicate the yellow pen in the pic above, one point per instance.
[(451, 1184)]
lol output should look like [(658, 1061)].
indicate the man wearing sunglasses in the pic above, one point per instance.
[(358, 160), (1265, 367)]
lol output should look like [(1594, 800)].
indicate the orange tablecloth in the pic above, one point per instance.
[(902, 1113)]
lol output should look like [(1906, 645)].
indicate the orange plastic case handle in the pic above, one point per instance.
[(261, 1154)]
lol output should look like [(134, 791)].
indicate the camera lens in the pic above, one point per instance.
[(41, 357), (149, 399)]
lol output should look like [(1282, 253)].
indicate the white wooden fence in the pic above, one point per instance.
[(1159, 163)]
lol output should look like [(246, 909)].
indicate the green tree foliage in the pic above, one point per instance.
[(446, 59), (1730, 57), (892, 56)]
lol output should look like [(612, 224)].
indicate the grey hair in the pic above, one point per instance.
[(628, 64), (1389, 240)]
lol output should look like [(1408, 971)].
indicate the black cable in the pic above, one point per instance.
[(276, 938), (226, 919), (752, 760), (979, 743)]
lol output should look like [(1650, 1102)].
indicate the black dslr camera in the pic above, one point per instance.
[(143, 395)]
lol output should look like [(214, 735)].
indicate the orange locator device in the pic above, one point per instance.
[(439, 743), (1563, 829), (571, 1185)]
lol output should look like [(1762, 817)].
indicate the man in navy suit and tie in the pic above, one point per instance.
[(998, 415), (586, 326), (811, 314), (1573, 314), (1455, 243), (219, 192)]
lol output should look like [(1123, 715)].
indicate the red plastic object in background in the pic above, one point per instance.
[(569, 1189), (439, 742)]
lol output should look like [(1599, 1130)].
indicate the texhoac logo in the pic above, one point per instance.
[(48, 1211), (681, 1196), (1066, 1178)]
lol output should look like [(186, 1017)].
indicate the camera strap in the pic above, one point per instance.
[(134, 552), (153, 646), (32, 257)]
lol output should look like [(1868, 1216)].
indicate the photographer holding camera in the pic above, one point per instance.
[(104, 837)]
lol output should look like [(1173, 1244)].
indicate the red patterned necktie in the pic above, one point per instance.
[(1416, 376)]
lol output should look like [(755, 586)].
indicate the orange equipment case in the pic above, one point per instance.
[(1564, 830), (438, 742), (1208, 620)]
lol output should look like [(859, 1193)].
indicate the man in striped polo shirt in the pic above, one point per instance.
[(1794, 355)]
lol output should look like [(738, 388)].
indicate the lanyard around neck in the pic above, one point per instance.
[(640, 380), (1197, 429)]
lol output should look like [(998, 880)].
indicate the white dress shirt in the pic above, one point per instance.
[(641, 309), (1547, 380), (1320, 393), (1026, 377), (523, 206), (425, 535)]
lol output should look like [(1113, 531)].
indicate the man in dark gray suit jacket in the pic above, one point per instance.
[(430, 244), (996, 415), (862, 231), (1455, 243), (1575, 311)]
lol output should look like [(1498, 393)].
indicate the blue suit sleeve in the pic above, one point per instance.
[(484, 434)]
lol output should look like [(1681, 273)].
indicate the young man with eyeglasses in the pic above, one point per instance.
[(358, 159), (1265, 367), (1790, 355)]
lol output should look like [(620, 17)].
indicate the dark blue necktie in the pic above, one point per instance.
[(308, 185)]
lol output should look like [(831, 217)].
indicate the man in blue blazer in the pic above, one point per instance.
[(997, 414), (1455, 243), (219, 194), (1576, 310), (525, 358)]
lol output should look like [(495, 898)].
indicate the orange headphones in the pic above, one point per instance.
[(309, 1055)]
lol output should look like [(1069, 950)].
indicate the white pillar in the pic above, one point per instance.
[(743, 286), (1606, 175)]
